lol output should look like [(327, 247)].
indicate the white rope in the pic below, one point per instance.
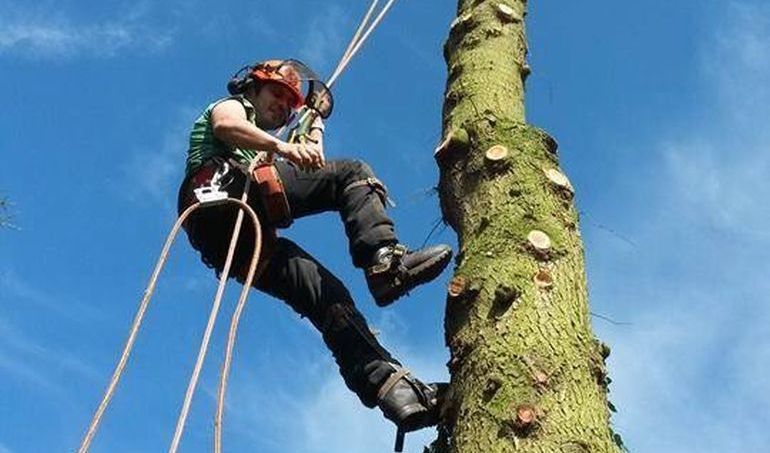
[(353, 47), (229, 351), (357, 34), (346, 58)]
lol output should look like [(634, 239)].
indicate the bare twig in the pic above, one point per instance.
[(601, 226), (611, 321)]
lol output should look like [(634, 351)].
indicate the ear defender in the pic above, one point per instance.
[(239, 82)]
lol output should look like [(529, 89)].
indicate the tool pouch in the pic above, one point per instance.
[(273, 195)]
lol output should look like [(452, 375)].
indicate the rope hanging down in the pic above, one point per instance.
[(220, 290), (138, 318), (354, 46)]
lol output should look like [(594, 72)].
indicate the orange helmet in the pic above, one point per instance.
[(282, 72), (294, 75)]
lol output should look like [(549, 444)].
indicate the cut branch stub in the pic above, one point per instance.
[(455, 141), (460, 21), (496, 153), (526, 69), (543, 279), (539, 242), (443, 145), (507, 14), (525, 418), (540, 378), (560, 180), (457, 286)]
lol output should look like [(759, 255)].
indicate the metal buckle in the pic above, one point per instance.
[(212, 193)]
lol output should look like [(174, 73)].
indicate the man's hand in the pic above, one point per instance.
[(307, 155)]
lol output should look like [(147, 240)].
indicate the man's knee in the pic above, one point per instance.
[(353, 170), (357, 174)]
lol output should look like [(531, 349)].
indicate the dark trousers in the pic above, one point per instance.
[(296, 277)]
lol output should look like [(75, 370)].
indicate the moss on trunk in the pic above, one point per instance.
[(527, 373)]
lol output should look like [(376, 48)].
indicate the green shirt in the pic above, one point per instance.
[(204, 144)]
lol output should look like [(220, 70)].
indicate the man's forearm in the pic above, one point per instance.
[(316, 135), (242, 134)]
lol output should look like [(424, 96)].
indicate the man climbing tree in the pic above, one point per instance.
[(527, 373), (229, 143)]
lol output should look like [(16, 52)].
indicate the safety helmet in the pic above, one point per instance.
[(294, 75), (282, 73)]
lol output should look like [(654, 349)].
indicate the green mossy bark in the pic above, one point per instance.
[(516, 346)]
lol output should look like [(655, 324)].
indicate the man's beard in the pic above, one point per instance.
[(271, 122)]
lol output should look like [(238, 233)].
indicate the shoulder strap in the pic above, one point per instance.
[(251, 114), (248, 106)]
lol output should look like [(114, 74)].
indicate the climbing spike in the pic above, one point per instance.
[(399, 447)]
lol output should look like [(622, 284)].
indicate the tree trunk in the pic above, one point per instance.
[(527, 373)]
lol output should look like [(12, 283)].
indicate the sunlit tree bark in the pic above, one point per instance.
[(528, 374)]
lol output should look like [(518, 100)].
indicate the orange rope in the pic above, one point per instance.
[(234, 323), (138, 318)]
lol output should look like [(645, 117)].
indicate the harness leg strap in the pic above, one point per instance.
[(376, 185)]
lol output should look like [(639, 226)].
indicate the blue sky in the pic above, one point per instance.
[(660, 109)]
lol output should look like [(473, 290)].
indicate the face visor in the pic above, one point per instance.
[(306, 86)]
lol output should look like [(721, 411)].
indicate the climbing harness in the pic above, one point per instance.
[(212, 193), (318, 101)]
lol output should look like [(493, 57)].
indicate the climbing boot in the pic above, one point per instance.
[(395, 270), (408, 402)]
